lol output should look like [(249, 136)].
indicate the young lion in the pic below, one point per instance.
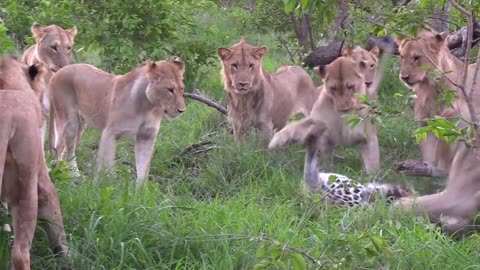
[(370, 58), (259, 99), (417, 57), (24, 180), (52, 49), (342, 79), (130, 105)]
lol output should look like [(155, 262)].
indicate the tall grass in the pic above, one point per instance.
[(234, 206)]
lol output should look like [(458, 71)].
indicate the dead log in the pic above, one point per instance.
[(324, 55), (207, 101), (419, 168)]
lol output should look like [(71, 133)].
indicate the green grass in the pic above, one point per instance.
[(210, 210)]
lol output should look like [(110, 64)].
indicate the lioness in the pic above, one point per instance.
[(52, 49), (129, 105), (456, 207), (259, 99), (342, 79), (417, 59), (24, 181), (370, 58)]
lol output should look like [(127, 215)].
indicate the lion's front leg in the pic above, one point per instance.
[(296, 131), (106, 151), (144, 147), (371, 154), (265, 130)]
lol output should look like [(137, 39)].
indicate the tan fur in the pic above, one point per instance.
[(370, 58), (416, 59), (52, 49), (457, 205), (130, 105), (259, 99), (24, 181), (342, 79)]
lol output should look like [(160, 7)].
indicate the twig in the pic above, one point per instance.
[(284, 43), (194, 147), (207, 101)]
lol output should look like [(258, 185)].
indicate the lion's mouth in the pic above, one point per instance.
[(54, 70), (242, 90)]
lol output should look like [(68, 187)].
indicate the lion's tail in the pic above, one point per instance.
[(4, 138)]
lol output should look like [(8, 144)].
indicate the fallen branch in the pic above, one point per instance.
[(419, 168), (207, 101), (196, 147)]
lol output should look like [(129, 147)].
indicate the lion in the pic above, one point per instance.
[(418, 57), (259, 99), (129, 105), (371, 58), (52, 48), (343, 79), (24, 181), (455, 207)]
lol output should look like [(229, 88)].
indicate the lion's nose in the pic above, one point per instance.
[(242, 84), (405, 78), (180, 110)]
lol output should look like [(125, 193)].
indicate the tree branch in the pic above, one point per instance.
[(207, 101)]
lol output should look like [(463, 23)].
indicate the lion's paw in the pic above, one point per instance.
[(277, 141)]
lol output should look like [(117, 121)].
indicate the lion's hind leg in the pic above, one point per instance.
[(296, 132)]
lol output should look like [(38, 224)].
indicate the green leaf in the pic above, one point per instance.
[(289, 5), (261, 252), (332, 179), (378, 242), (263, 264), (298, 262), (282, 265)]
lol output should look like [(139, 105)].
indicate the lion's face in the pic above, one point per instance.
[(54, 45), (370, 58), (166, 86), (242, 66), (343, 78), (416, 56)]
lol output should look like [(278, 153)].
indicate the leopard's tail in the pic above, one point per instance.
[(311, 171)]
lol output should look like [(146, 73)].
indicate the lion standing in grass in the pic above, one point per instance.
[(259, 99), (24, 181), (129, 105), (52, 48), (342, 80)]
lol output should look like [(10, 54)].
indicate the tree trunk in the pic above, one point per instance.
[(439, 19), (301, 27)]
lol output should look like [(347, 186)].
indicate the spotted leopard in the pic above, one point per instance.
[(341, 190)]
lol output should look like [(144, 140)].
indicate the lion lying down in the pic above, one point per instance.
[(24, 181), (130, 105)]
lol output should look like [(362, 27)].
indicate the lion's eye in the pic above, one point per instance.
[(235, 66), (350, 88), (251, 66), (69, 48), (54, 48), (416, 58), (171, 90), (372, 66)]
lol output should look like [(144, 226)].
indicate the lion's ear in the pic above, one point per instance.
[(399, 40), (441, 37), (321, 71), (224, 53), (260, 52), (72, 32), (36, 71), (375, 51), (37, 30), (346, 50), (178, 62), (362, 66)]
